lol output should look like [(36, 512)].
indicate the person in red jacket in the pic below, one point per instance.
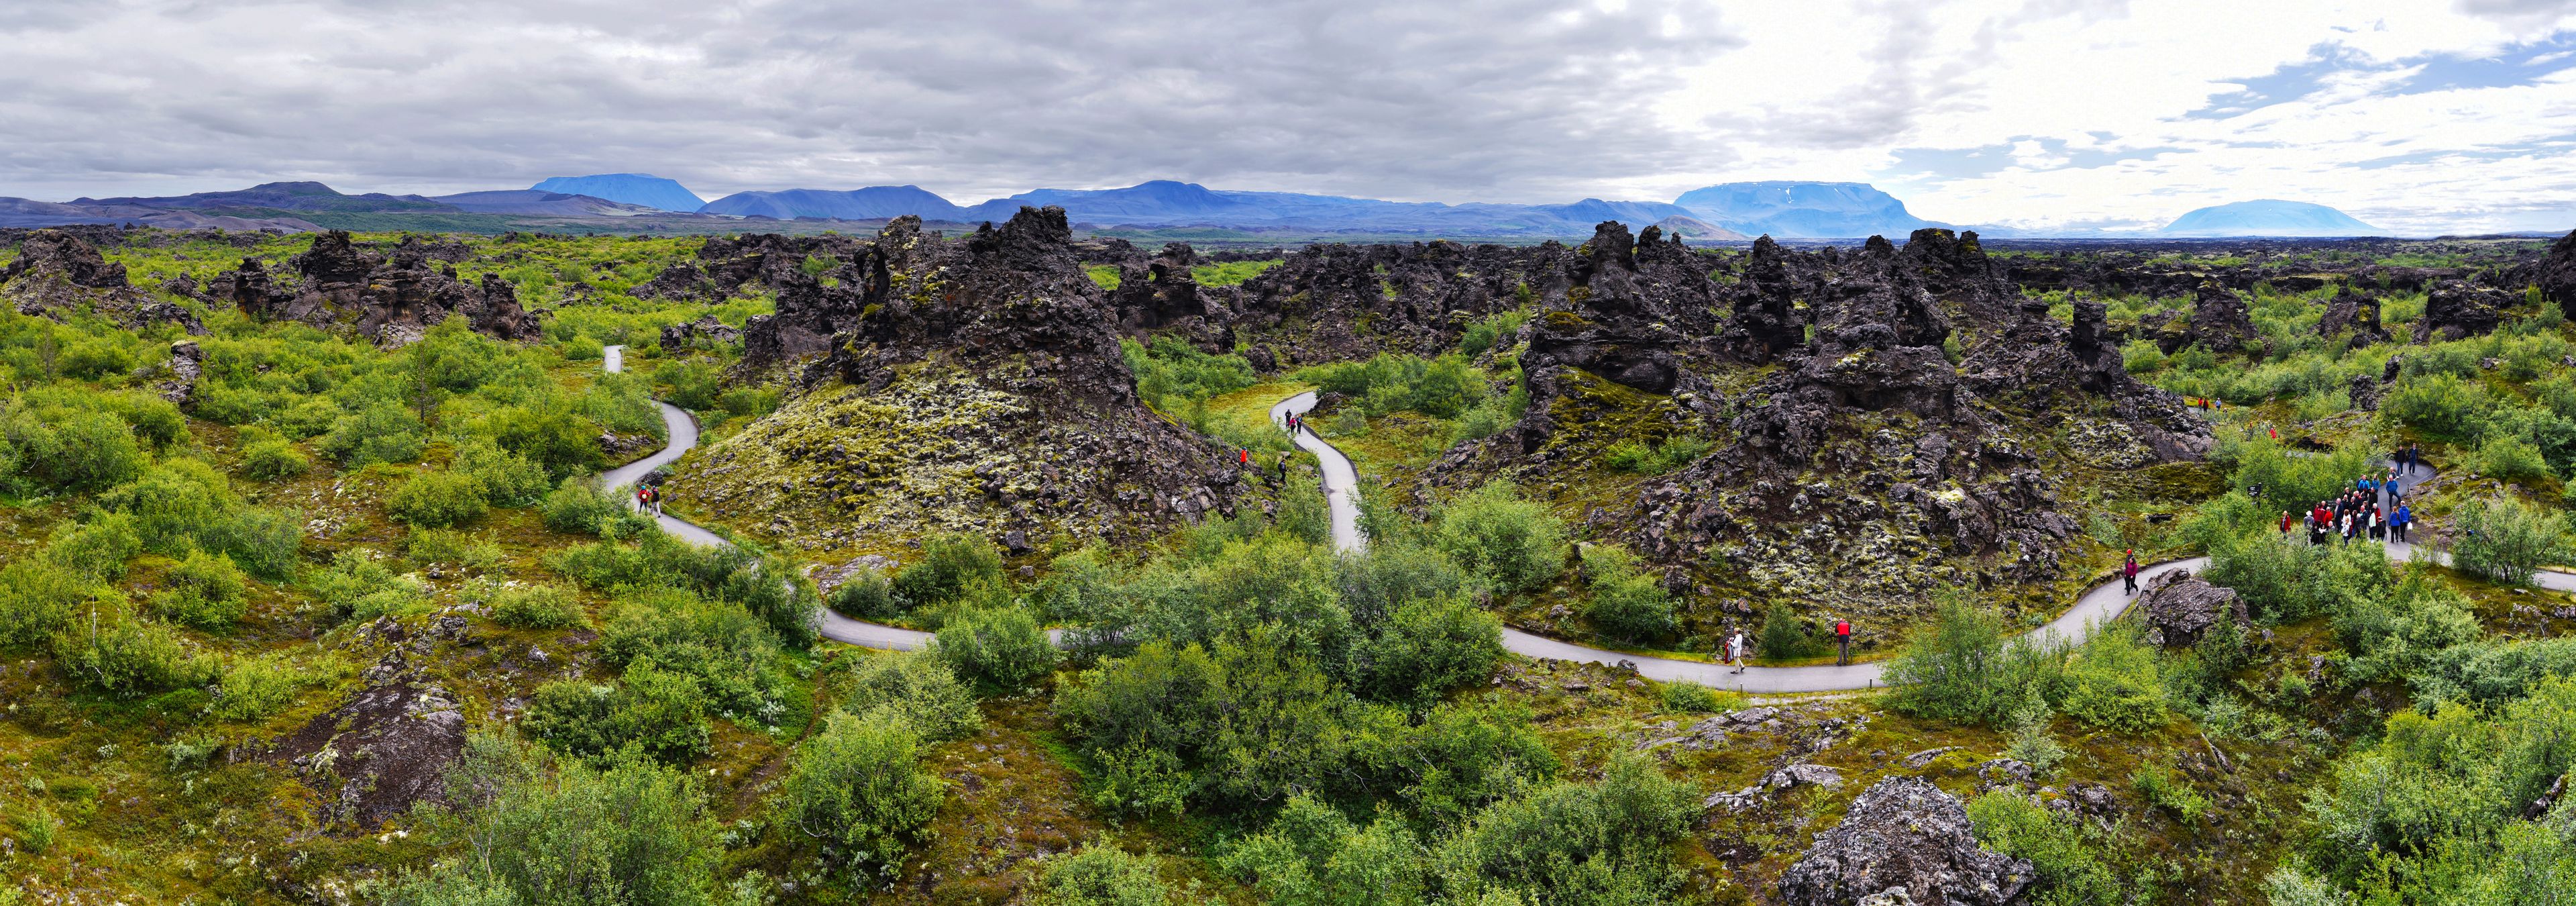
[(1842, 634), (2129, 572), (2285, 521)]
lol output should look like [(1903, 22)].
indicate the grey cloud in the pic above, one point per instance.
[(1517, 100)]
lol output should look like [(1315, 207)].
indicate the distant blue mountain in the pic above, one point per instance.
[(2269, 217), (290, 196), (631, 188), (871, 203), (1803, 210)]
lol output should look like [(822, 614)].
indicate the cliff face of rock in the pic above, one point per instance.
[(59, 271), (972, 384), (391, 296)]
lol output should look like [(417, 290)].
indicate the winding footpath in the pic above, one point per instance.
[(2100, 604)]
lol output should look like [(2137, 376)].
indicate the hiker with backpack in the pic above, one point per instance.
[(1842, 637)]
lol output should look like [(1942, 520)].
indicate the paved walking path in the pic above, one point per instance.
[(2099, 604)]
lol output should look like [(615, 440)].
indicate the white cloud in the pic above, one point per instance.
[(2037, 113)]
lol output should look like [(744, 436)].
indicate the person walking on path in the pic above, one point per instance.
[(1283, 466), (1735, 649), (1842, 636), (657, 500), (2129, 572), (2404, 517), (643, 498)]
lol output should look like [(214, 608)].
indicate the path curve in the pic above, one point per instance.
[(2099, 604), (683, 431)]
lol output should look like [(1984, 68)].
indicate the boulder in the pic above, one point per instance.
[(1903, 840), (2179, 607), (387, 746), (703, 330)]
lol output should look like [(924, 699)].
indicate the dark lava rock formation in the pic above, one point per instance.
[(1865, 465), (59, 271), (391, 297), (2456, 309), (2180, 607), (389, 745), (2555, 274), (972, 384), (1904, 841), (2355, 313)]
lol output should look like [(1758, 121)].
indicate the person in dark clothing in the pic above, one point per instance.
[(1283, 465), (2129, 573), (1842, 636), (2405, 516)]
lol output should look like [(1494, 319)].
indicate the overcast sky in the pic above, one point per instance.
[(2414, 115)]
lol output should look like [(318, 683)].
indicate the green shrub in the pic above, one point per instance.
[(508, 479), (2440, 407), (630, 832), (662, 714), (1492, 331), (749, 402), (357, 586), (253, 688), (112, 651), (1678, 697), (39, 599), (1172, 374), (1572, 842), (1960, 668), (382, 432), (97, 548), (2113, 682), (538, 607), (1428, 647), (949, 563), (424, 546), (2030, 741), (578, 506), (859, 786), (1511, 543), (205, 590), (90, 451), (999, 648), (2511, 458), (437, 500), (1783, 637), (2060, 850), (2166, 791), (269, 460), (1627, 602), (1656, 459), (868, 595), (2506, 540), (920, 688), (1138, 781), (1101, 875)]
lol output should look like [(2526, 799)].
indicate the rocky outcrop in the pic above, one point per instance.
[(701, 332), (2354, 313), (726, 265), (2219, 321), (1765, 323), (1903, 841), (391, 297), (2555, 274), (1339, 302), (2181, 607), (388, 745), (57, 272), (973, 384), (187, 364), (2457, 309)]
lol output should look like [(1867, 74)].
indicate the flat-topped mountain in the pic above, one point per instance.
[(643, 189), (1803, 210), (2268, 217)]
